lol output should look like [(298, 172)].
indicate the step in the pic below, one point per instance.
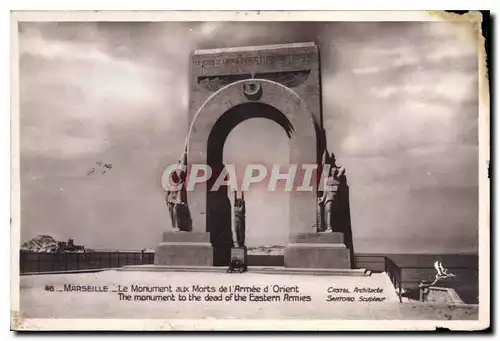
[(278, 270)]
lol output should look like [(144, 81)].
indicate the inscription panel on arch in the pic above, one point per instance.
[(254, 60)]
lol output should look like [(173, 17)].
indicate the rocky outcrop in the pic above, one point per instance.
[(41, 243)]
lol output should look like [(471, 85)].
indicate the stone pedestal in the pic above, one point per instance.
[(317, 250), (240, 253), (185, 248)]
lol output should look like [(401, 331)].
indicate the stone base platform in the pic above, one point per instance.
[(240, 253), (271, 270), (185, 249), (320, 250)]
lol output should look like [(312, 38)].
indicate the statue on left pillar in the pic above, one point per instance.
[(176, 198)]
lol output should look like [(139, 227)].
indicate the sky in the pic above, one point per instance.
[(400, 107)]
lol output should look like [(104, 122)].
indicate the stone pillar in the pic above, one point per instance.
[(191, 248), (184, 248)]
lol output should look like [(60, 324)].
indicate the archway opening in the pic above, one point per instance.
[(267, 211)]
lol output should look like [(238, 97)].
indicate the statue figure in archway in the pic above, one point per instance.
[(239, 221), (329, 199), (176, 197)]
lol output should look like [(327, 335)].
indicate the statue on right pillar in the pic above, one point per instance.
[(329, 200)]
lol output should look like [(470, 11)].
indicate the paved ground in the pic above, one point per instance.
[(37, 302)]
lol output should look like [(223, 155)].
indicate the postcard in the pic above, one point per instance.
[(249, 171)]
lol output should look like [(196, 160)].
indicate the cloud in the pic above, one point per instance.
[(453, 87), (82, 92), (400, 91)]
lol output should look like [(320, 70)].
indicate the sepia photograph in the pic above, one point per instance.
[(249, 171)]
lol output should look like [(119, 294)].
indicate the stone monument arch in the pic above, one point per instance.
[(212, 125), (229, 86)]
